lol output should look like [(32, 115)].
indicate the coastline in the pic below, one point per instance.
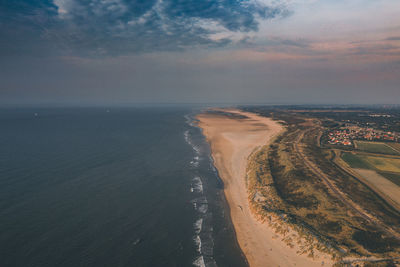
[(233, 139)]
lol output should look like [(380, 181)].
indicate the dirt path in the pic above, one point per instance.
[(356, 209)]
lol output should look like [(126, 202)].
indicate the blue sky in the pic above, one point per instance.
[(272, 51)]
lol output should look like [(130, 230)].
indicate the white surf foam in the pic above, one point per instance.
[(197, 242), (189, 120), (200, 204), (199, 262), (202, 208), (200, 200), (188, 140), (197, 185), (198, 225), (202, 237), (194, 163)]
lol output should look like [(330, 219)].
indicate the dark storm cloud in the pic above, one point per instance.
[(99, 27)]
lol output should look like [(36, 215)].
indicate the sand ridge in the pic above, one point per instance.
[(232, 140)]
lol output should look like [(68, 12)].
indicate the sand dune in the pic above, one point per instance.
[(232, 140)]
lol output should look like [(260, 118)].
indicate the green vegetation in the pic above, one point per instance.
[(282, 202), (387, 167), (388, 263), (298, 183), (375, 241), (393, 177), (286, 192), (293, 192), (355, 161), (375, 147), (384, 164), (395, 146), (381, 164)]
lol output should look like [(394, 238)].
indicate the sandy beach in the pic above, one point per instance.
[(232, 141)]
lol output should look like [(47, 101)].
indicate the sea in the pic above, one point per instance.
[(110, 186)]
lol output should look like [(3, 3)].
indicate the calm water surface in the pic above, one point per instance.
[(110, 187)]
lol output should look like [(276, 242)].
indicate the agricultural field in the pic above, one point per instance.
[(395, 146), (376, 147), (355, 161), (384, 164), (393, 177), (382, 183), (382, 172), (377, 163)]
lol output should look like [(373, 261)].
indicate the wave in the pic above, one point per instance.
[(198, 225), (212, 164), (194, 163), (197, 185), (199, 262), (189, 120), (202, 208), (197, 242), (200, 201), (201, 204), (188, 140), (204, 241), (202, 226)]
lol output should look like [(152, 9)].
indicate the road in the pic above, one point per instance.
[(339, 194)]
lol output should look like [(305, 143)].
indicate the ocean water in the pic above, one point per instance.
[(110, 187)]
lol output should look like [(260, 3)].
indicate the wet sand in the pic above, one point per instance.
[(232, 140)]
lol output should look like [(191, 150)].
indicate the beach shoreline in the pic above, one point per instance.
[(233, 138)]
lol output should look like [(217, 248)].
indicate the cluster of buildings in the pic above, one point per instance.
[(345, 135), (338, 137), (380, 115)]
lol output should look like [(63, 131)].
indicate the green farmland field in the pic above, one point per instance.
[(393, 177), (382, 164), (376, 147), (395, 146), (355, 161)]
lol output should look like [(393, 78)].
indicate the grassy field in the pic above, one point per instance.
[(382, 164), (284, 192), (393, 177), (376, 147), (395, 146), (383, 184), (355, 161)]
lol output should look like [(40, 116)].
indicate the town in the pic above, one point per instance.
[(345, 135)]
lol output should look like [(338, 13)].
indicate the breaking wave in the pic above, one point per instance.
[(202, 226), (198, 225), (197, 185), (199, 262)]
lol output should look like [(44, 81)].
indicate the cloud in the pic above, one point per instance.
[(393, 38), (98, 27)]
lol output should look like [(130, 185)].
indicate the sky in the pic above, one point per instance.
[(199, 51)]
